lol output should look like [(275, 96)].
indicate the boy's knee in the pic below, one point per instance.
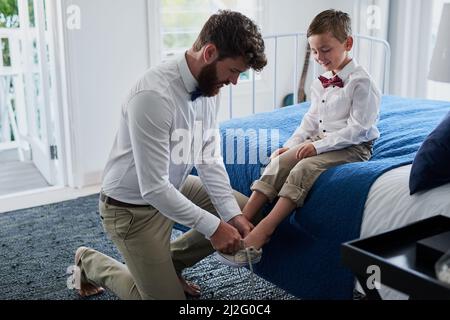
[(307, 165), (305, 171)]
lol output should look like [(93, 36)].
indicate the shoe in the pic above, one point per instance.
[(244, 257)]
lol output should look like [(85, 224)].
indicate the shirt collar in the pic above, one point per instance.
[(190, 83), (344, 73)]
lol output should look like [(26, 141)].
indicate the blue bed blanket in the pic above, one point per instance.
[(303, 256)]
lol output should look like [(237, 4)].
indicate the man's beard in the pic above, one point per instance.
[(208, 82)]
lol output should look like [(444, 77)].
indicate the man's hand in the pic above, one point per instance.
[(278, 152), (226, 239), (241, 223), (306, 151)]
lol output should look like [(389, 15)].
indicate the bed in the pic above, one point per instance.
[(347, 202)]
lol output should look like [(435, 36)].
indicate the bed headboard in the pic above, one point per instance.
[(374, 54)]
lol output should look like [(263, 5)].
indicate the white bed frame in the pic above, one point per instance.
[(376, 49)]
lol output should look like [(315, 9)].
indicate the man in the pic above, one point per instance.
[(146, 183)]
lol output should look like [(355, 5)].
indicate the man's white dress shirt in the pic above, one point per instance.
[(155, 150), (341, 117)]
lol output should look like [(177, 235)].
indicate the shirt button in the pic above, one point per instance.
[(323, 101), (320, 121), (324, 130)]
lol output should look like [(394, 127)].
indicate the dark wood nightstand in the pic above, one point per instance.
[(393, 255)]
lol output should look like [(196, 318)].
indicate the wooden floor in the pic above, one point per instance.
[(16, 176)]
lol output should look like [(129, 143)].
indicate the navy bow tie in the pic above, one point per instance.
[(196, 94), (335, 81)]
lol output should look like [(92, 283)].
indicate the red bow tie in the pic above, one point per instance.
[(335, 81)]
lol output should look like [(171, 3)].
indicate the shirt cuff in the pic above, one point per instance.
[(321, 146), (207, 224), (230, 210)]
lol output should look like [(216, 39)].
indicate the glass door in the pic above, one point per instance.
[(26, 74)]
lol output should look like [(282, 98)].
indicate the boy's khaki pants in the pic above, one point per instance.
[(287, 177), (152, 263)]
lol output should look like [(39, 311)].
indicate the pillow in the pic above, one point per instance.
[(431, 166)]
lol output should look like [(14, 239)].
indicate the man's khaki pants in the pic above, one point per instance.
[(152, 263)]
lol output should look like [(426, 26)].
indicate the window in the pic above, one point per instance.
[(181, 21), (27, 82), (12, 71), (21, 69)]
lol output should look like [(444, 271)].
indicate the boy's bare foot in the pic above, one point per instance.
[(189, 288), (86, 289)]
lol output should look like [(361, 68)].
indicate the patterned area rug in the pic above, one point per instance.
[(37, 245)]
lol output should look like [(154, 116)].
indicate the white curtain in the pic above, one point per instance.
[(409, 36), (371, 18)]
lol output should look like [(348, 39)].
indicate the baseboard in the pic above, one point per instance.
[(40, 197)]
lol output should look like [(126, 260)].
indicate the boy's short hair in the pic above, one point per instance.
[(235, 36), (334, 21)]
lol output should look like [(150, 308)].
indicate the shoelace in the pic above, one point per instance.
[(250, 264)]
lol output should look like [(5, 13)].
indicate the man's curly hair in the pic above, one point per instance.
[(235, 36)]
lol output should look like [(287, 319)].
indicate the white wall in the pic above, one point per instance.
[(282, 17), (111, 50), (103, 59)]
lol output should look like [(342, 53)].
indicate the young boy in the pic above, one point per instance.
[(339, 128)]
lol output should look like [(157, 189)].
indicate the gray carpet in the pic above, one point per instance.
[(37, 245)]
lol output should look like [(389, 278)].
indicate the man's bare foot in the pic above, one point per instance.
[(189, 288), (86, 289), (257, 238)]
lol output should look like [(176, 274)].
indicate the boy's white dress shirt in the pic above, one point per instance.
[(341, 117)]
